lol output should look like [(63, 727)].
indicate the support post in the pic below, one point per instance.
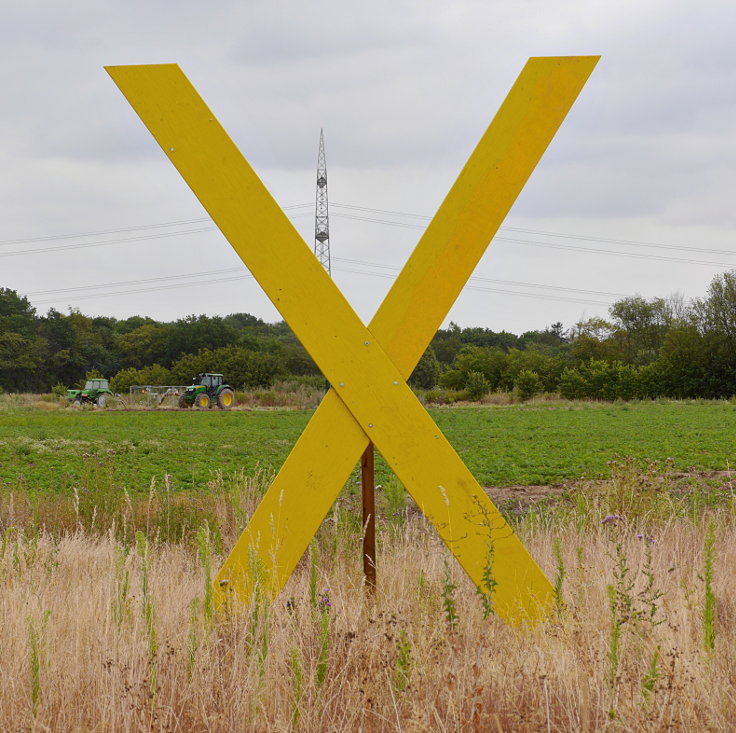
[(368, 484)]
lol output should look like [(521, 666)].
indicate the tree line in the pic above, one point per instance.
[(646, 348)]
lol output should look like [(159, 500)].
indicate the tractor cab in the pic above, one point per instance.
[(97, 384), (209, 381)]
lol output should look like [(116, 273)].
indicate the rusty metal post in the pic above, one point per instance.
[(367, 480)]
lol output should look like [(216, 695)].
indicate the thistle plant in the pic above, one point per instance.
[(148, 609), (297, 684), (121, 577), (404, 663), (560, 575), (709, 605), (621, 608), (488, 583), (193, 641), (204, 554), (35, 648), (448, 598), (313, 563), (652, 676), (324, 606)]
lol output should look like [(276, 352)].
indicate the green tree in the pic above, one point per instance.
[(20, 360), (143, 345), (21, 349), (427, 372), (717, 311), (296, 360), (489, 361), (17, 315), (640, 326), (446, 344), (194, 334)]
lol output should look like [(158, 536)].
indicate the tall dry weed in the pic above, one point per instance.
[(122, 642), (107, 622)]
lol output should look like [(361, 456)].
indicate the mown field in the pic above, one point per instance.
[(536, 444)]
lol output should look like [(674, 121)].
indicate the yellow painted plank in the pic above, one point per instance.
[(323, 458), (223, 181)]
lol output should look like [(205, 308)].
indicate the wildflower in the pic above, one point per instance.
[(614, 519), (646, 537), (324, 603)]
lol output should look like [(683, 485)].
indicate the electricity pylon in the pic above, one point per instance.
[(322, 215)]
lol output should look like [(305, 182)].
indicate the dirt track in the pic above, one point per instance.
[(678, 481)]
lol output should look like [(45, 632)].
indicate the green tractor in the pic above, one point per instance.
[(96, 391), (207, 390)]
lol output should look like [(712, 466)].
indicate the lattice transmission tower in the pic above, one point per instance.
[(322, 215)]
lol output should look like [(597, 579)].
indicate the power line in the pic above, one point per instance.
[(360, 263), (543, 232), (479, 278), (142, 238), (240, 277), (174, 286), (102, 232), (382, 211), (575, 248), (120, 230), (135, 282), (373, 220), (354, 207), (244, 276), (85, 245), (540, 296)]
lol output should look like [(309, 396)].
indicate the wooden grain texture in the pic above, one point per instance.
[(367, 366)]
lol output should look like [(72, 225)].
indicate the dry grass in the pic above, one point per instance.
[(97, 636)]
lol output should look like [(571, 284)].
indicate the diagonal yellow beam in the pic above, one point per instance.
[(324, 456), (517, 579)]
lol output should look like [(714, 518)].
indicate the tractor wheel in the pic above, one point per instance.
[(101, 400), (77, 402), (226, 399), (183, 401), (202, 400)]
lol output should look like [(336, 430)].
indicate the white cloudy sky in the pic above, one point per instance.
[(403, 89)]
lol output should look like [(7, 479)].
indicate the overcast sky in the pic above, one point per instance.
[(404, 91)]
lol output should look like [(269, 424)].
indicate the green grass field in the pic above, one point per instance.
[(537, 444)]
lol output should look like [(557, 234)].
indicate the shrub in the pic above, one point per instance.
[(124, 379), (572, 385), (59, 390), (453, 379), (527, 385), (477, 386)]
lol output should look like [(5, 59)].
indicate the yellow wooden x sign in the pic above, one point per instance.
[(367, 366)]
